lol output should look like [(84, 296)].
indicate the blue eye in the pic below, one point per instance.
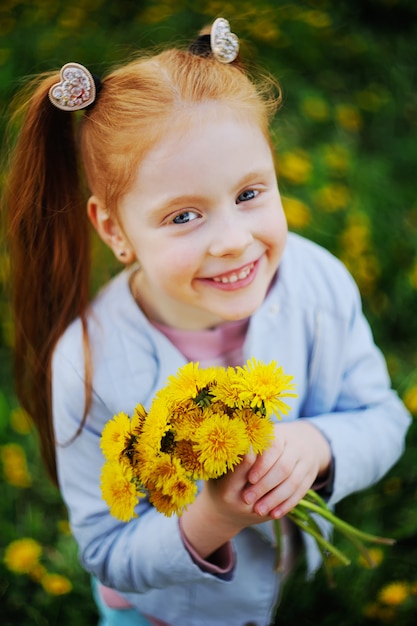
[(186, 216), (249, 194)]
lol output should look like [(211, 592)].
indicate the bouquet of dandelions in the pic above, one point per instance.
[(199, 427)]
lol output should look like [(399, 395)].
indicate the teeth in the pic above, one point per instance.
[(232, 278)]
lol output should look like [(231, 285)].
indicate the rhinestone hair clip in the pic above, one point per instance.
[(76, 90), (224, 44)]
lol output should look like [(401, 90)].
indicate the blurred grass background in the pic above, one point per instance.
[(346, 138)]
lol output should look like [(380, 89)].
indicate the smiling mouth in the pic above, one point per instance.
[(233, 277)]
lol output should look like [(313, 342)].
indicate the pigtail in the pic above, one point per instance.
[(49, 249)]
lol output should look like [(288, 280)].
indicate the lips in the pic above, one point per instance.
[(234, 277)]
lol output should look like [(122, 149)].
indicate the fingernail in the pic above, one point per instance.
[(249, 497)]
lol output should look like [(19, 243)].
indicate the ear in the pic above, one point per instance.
[(110, 231)]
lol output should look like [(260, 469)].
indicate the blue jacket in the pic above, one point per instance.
[(312, 324)]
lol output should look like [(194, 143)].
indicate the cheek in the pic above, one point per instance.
[(276, 229), (174, 264)]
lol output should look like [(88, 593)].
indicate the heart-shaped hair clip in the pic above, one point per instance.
[(224, 44), (76, 89)]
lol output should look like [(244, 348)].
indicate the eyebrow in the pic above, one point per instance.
[(190, 199)]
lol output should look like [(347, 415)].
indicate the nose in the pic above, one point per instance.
[(231, 236)]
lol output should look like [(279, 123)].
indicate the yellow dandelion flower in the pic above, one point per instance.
[(333, 197), (166, 470), (15, 467), (22, 556), (263, 386), (188, 383), (349, 117), (156, 424), (260, 430), (412, 275), (186, 422), (183, 492), (55, 584), (317, 19), (190, 460), (220, 443), (138, 419), (20, 421), (296, 212), (295, 166), (119, 490), (174, 500), (410, 399), (337, 157), (394, 594), (376, 555), (315, 108), (116, 436), (37, 573), (163, 502), (224, 391), (64, 527)]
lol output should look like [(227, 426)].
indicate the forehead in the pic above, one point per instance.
[(202, 131)]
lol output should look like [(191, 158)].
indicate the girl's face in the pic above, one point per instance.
[(205, 220)]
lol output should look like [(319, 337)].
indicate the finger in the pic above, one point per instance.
[(264, 462), (289, 503), (276, 475)]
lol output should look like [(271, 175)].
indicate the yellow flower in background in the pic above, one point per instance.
[(315, 108), (55, 584), (20, 421), (357, 252), (337, 158), (394, 594), (413, 275), (349, 118), (221, 442), (317, 19), (376, 554), (332, 197), (64, 527), (15, 468), (116, 436), (296, 212), (119, 490), (373, 98), (37, 573), (22, 556), (410, 399), (295, 166)]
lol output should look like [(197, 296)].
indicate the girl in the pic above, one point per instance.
[(180, 180)]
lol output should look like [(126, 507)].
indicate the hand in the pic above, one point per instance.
[(283, 474), (220, 512)]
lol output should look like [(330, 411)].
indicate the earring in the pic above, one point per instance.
[(122, 254)]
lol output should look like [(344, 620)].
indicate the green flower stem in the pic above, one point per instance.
[(278, 539), (321, 541), (342, 526), (302, 517)]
